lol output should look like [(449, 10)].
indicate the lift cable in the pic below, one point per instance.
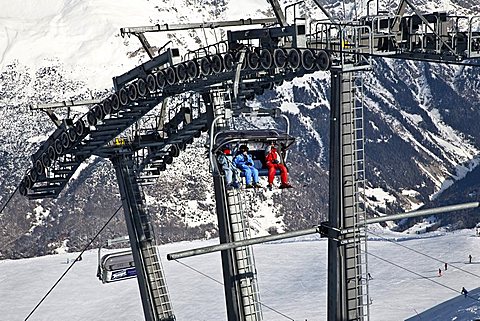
[(215, 280), (426, 255), (9, 198), (75, 261), (420, 275)]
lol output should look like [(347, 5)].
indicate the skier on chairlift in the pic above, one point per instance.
[(273, 161), (225, 159), (244, 162)]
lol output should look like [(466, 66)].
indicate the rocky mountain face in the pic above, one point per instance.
[(421, 140)]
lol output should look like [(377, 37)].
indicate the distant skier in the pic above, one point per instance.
[(446, 266), (439, 272), (369, 276), (470, 258), (464, 292)]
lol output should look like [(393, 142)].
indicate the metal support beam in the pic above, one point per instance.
[(66, 103), (429, 211), (317, 229), (325, 12), (198, 25), (145, 44), (277, 10), (232, 245)]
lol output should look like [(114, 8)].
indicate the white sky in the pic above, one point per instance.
[(291, 275)]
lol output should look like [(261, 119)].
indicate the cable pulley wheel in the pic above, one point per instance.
[(245, 58), (280, 58), (253, 60), (65, 140), (141, 87), (266, 59), (217, 64), (323, 60), (192, 69), (72, 135), (161, 80), (23, 188), (46, 162), (80, 127), (27, 181), (228, 62), (39, 168), (33, 176), (91, 118), (123, 96), (205, 66), (174, 151), (115, 103), (151, 83), (106, 107), (132, 92), (294, 59), (168, 159), (181, 71), (308, 59), (170, 75), (51, 154), (98, 110), (58, 146)]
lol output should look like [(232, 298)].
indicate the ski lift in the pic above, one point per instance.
[(257, 140), (116, 266)]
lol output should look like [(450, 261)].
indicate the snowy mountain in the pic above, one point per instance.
[(291, 279), (421, 125)]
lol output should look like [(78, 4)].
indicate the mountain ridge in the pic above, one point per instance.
[(415, 140)]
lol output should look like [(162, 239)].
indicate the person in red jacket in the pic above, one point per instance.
[(273, 161)]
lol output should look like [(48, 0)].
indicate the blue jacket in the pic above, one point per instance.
[(241, 160)]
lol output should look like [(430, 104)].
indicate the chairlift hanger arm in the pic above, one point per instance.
[(197, 25), (145, 44), (277, 10), (325, 12)]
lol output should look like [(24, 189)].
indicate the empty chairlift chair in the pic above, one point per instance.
[(115, 266)]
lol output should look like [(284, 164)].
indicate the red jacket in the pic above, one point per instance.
[(272, 155)]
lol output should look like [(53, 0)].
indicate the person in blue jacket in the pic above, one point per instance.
[(244, 162)]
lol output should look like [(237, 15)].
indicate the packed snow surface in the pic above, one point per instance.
[(291, 277)]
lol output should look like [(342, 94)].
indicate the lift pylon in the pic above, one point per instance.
[(239, 272), (151, 281)]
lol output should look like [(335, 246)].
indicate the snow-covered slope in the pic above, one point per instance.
[(291, 277)]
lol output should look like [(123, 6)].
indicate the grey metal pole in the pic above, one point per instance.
[(231, 245), (430, 211)]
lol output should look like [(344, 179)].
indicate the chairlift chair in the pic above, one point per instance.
[(257, 141), (115, 266)]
